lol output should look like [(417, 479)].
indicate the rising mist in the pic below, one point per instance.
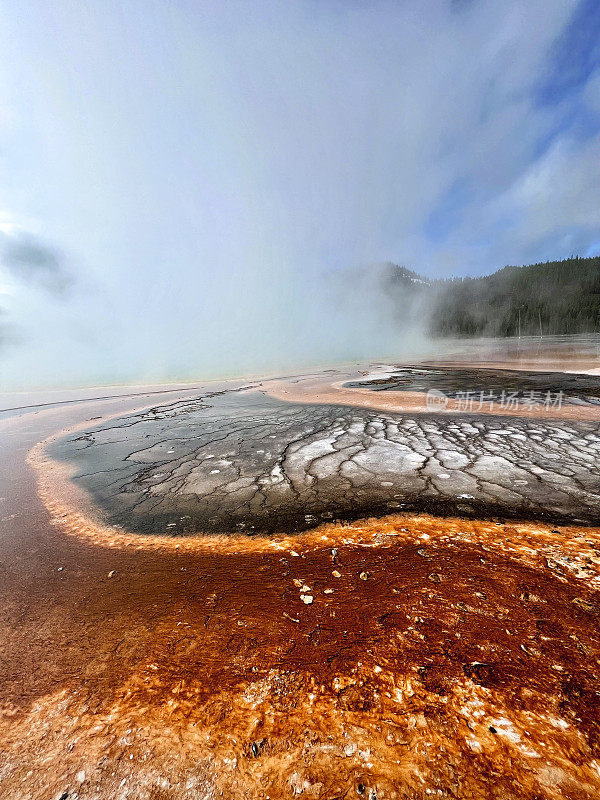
[(192, 190)]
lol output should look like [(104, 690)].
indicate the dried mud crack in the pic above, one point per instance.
[(250, 463)]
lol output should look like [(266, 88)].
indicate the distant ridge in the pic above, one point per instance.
[(551, 298), (555, 297)]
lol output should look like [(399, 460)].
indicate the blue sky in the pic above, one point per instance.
[(177, 178)]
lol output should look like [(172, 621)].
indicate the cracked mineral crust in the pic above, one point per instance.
[(247, 462)]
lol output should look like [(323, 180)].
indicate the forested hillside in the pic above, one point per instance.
[(556, 297)]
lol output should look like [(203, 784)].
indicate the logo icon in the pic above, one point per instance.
[(436, 400)]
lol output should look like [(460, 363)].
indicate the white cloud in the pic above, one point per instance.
[(591, 93)]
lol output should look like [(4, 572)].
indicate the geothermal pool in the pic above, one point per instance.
[(302, 587)]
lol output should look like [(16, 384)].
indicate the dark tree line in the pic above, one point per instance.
[(558, 296)]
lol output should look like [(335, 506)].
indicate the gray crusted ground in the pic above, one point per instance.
[(245, 461), (531, 389)]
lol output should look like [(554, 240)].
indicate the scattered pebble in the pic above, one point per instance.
[(111, 573), (306, 598), (364, 576), (336, 574)]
